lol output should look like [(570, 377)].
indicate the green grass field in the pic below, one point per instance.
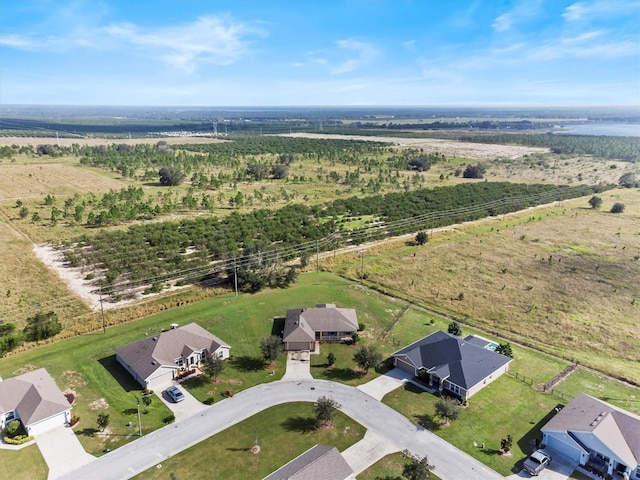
[(388, 468), (284, 432), (86, 365), (24, 464)]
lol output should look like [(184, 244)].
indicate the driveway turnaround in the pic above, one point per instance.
[(139, 455), (62, 451), (184, 409)]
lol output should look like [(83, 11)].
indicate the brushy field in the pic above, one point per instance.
[(284, 432), (565, 279)]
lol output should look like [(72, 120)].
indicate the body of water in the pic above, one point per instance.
[(613, 129)]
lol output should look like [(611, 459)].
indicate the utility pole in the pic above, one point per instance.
[(104, 328), (317, 258), (362, 267), (139, 422), (235, 275)]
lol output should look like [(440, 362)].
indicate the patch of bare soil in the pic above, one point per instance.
[(24, 369), (72, 379), (450, 148), (100, 404)]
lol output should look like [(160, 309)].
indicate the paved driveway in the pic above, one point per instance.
[(139, 455), (379, 387), (298, 366), (368, 451), (62, 451), (184, 409), (560, 468)]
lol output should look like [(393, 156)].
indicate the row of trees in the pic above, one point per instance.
[(39, 327), (263, 239)]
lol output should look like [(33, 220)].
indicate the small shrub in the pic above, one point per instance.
[(169, 419), (331, 359), (228, 393), (13, 428), (209, 401), (74, 419), (617, 207)]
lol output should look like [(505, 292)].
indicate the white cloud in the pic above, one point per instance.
[(209, 39), (409, 45), (585, 11), (521, 12), (364, 54)]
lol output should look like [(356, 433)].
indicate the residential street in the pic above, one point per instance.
[(133, 458)]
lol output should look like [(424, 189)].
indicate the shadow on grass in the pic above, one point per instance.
[(300, 424), (529, 441), (87, 432), (248, 364), (195, 382), (428, 421), (338, 374), (234, 449), (118, 372), (278, 326), (130, 411)]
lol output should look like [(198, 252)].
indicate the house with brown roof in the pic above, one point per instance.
[(157, 360), (325, 322), (321, 462), (35, 400), (461, 366), (596, 435)]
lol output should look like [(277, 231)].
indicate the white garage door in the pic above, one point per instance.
[(48, 424), (163, 377), (568, 450)]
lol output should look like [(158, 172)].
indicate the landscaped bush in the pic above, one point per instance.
[(169, 419), (15, 434), (74, 419), (209, 401)]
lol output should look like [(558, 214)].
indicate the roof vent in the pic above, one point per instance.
[(602, 414), (155, 338)]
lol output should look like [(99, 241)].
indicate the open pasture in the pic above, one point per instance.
[(564, 279)]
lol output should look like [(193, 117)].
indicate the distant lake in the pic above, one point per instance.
[(613, 129)]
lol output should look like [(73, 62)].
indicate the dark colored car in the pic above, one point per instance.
[(536, 462)]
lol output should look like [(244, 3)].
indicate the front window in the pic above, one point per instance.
[(9, 416), (179, 362)]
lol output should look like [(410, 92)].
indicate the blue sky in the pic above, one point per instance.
[(320, 52)]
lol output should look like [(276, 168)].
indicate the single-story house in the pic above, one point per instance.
[(156, 360), (304, 326), (35, 400), (460, 366), (318, 463), (596, 434)]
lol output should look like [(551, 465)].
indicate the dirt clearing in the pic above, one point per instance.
[(477, 151)]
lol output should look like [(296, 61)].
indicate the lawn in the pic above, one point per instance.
[(283, 432), (388, 468), (25, 464), (505, 407), (86, 365)]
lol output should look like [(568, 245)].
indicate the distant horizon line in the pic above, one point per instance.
[(363, 106)]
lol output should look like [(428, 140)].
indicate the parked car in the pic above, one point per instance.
[(536, 462), (175, 394)]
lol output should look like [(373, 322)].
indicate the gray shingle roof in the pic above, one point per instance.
[(34, 395), (301, 324), (147, 355), (321, 462), (618, 429), (467, 363)]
